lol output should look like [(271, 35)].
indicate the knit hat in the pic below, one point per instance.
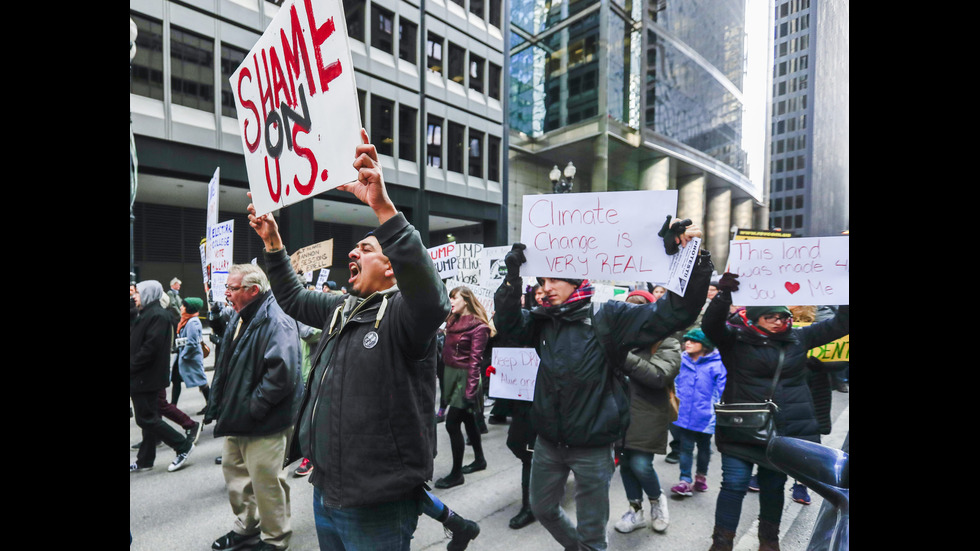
[(574, 282), (193, 305), (641, 293), (753, 313), (697, 335)]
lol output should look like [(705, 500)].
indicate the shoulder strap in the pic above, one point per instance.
[(779, 368)]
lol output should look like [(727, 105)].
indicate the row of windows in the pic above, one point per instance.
[(477, 148), (791, 66), (791, 124), (791, 183), (788, 222), (790, 85), (793, 45), (790, 105), (796, 24), (789, 144), (793, 6), (449, 59), (790, 163), (780, 204)]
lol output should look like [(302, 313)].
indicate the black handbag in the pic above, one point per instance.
[(751, 424)]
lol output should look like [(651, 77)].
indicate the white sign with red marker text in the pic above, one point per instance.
[(797, 271), (514, 373)]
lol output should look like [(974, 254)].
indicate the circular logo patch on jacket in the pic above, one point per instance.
[(370, 340)]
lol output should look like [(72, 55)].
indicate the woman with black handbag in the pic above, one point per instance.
[(767, 379)]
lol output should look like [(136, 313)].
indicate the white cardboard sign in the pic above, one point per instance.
[(482, 294), (515, 371), (796, 271), (297, 105), (468, 262), (445, 260), (493, 271), (610, 235), (221, 244), (212, 216)]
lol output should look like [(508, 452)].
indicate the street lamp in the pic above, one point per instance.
[(559, 184)]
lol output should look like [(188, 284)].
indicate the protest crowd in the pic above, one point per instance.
[(349, 388)]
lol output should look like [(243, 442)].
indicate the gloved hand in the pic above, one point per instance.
[(514, 258), (728, 282), (671, 233)]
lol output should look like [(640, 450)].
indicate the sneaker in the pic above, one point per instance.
[(754, 483), (800, 495), (134, 468), (659, 517), (180, 461), (461, 530), (194, 432), (673, 457), (234, 540), (305, 468), (700, 483), (631, 520), (683, 488)]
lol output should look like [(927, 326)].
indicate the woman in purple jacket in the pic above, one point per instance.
[(467, 333), (699, 386)]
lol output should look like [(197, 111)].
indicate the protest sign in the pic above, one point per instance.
[(212, 213), (468, 262), (322, 280), (514, 373), (796, 271), (836, 351), (297, 105), (611, 235), (492, 267), (603, 293), (204, 267), (220, 243), (307, 259), (444, 258), (482, 294)]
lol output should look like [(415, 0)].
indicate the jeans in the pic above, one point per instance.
[(593, 468), (636, 468), (690, 438), (385, 526), (735, 475)]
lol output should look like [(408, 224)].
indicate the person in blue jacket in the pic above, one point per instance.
[(698, 386)]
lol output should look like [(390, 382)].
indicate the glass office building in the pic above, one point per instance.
[(638, 95)]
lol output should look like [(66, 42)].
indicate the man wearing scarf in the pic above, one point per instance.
[(581, 406)]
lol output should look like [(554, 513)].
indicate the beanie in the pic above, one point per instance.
[(697, 335), (753, 313), (193, 305), (641, 293), (574, 282)]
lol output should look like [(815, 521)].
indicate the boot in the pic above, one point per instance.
[(768, 536), (722, 540), (524, 516), (462, 531)]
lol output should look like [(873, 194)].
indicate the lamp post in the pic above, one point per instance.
[(133, 31), (560, 184)]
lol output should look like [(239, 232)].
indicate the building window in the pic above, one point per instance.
[(455, 146), (476, 73), (476, 153), (493, 158), (191, 69), (799, 202), (382, 36), (433, 49), (383, 124), (146, 75), (361, 102), (800, 181), (457, 63), (231, 60), (493, 80), (493, 15), (476, 8), (407, 31), (406, 132), (798, 220), (433, 142), (355, 18)]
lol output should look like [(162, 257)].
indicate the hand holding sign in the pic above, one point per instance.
[(370, 184)]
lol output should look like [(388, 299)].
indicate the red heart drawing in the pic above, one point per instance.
[(792, 287)]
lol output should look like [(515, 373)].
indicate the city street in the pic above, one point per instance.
[(188, 509)]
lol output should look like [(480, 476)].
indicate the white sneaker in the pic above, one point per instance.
[(180, 461), (659, 517), (631, 521)]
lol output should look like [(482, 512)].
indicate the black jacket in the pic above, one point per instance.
[(578, 400), (366, 421), (256, 387), (149, 349), (751, 360)]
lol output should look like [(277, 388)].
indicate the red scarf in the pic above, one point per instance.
[(184, 318), (582, 292)]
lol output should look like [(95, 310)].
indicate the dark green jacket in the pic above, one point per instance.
[(366, 421), (578, 400)]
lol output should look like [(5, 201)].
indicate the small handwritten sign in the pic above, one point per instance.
[(493, 271), (515, 370), (482, 294), (610, 235), (445, 259), (307, 259), (221, 244), (790, 272), (468, 265)]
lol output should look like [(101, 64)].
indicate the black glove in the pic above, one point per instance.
[(514, 258), (728, 282), (672, 232)]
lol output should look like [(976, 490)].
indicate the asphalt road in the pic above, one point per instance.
[(188, 509)]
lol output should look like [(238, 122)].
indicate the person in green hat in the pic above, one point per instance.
[(190, 356)]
